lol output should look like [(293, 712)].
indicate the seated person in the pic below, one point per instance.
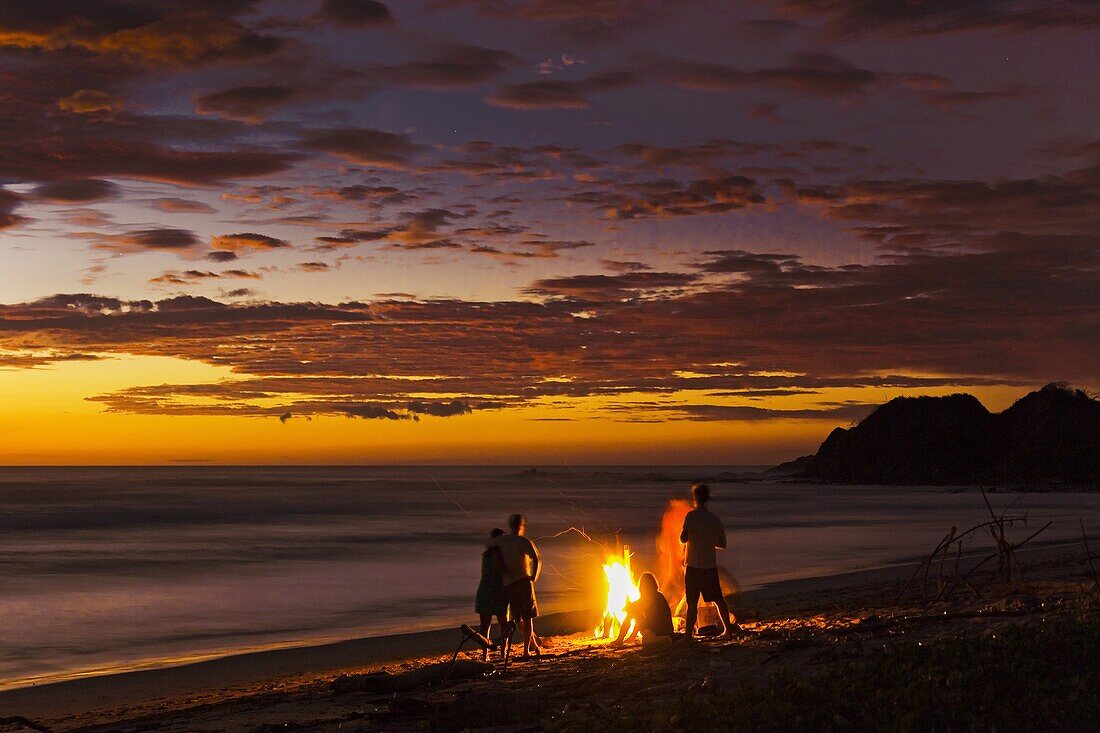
[(649, 616)]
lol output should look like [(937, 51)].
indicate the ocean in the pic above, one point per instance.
[(111, 569)]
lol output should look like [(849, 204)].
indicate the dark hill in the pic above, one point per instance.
[(1052, 435)]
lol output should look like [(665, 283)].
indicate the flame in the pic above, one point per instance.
[(670, 553), (621, 589)]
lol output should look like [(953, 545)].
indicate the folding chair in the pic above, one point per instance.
[(470, 634)]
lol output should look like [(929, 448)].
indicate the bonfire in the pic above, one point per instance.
[(621, 589)]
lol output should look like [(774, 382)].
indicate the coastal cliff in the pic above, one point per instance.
[(1051, 435)]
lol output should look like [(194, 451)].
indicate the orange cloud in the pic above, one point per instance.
[(88, 101), (247, 241)]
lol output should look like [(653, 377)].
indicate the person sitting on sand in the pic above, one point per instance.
[(703, 533), (490, 600), (650, 616), (521, 568)]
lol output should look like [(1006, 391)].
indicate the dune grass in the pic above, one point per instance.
[(1041, 677)]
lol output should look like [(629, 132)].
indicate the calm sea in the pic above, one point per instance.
[(104, 569)]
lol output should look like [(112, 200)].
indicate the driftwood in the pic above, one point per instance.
[(1088, 554), (23, 723), (947, 581)]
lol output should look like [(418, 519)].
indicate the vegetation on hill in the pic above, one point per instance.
[(1051, 435)]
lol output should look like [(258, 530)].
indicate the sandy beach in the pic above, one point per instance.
[(293, 689)]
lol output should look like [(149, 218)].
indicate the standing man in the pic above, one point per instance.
[(521, 568), (703, 533)]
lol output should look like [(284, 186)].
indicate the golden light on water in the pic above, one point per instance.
[(621, 589)]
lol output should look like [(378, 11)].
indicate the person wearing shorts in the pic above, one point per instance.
[(521, 599), (521, 568), (703, 534)]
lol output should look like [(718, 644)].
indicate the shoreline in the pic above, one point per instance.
[(239, 673), (252, 668), (558, 622)]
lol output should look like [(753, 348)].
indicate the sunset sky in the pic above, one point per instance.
[(534, 231)]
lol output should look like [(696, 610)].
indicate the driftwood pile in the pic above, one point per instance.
[(949, 571)]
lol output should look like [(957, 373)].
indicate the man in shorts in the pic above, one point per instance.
[(703, 533), (521, 568)]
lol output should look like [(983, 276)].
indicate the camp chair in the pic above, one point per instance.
[(470, 634)]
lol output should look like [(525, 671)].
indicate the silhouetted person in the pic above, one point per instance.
[(521, 565), (490, 600), (703, 534), (650, 615)]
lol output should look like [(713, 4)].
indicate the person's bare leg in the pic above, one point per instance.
[(507, 635), (510, 628), (486, 622), (626, 631), (724, 614), (525, 631), (623, 628), (692, 616), (536, 642)]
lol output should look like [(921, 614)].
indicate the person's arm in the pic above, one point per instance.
[(721, 543), (536, 560), (684, 530)]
